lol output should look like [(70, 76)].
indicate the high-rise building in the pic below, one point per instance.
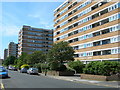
[(91, 27), (12, 49), (1, 60), (5, 53), (34, 39)]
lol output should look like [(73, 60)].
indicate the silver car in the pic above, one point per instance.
[(23, 70), (32, 71)]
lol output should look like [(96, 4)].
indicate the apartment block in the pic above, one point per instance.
[(5, 53), (12, 49), (34, 39), (91, 27)]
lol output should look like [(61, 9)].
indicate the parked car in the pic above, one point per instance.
[(3, 72), (12, 68), (32, 71), (15, 69), (23, 70)]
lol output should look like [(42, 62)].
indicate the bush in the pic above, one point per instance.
[(38, 66), (102, 68), (57, 66), (44, 66), (77, 66), (61, 67), (25, 66)]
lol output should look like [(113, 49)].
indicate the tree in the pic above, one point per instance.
[(60, 52), (77, 66), (21, 60), (10, 60), (36, 57)]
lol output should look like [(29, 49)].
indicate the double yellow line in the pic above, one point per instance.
[(2, 86)]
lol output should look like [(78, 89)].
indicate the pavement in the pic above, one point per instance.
[(76, 78)]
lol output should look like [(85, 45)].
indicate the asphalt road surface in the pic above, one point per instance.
[(22, 80)]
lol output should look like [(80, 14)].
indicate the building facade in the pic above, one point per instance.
[(1, 60), (5, 53), (34, 39), (91, 27), (12, 49)]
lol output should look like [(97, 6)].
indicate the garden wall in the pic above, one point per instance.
[(60, 73), (100, 77)]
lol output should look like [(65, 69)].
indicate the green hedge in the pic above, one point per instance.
[(102, 68), (77, 66)]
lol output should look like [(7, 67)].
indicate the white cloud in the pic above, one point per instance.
[(10, 30), (47, 25), (34, 16)]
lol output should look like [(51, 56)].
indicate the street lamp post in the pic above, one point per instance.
[(46, 69)]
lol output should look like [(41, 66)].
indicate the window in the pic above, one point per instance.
[(75, 32), (89, 54), (104, 11), (58, 26), (76, 55), (70, 34), (95, 15), (115, 39), (58, 9), (94, 7), (58, 38), (96, 43), (76, 39), (81, 54), (114, 51), (99, 4), (81, 46), (69, 20), (104, 21), (70, 41), (96, 24), (58, 15), (105, 41), (76, 47), (69, 7), (74, 3), (96, 34), (76, 24), (69, 13), (96, 53), (75, 10), (105, 31), (70, 27), (106, 52), (58, 32), (75, 17)]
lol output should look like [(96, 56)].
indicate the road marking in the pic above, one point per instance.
[(2, 86)]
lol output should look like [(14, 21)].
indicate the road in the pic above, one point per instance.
[(22, 80)]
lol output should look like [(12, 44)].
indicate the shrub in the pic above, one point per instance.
[(61, 67), (77, 66), (25, 66), (102, 68), (38, 66), (44, 66)]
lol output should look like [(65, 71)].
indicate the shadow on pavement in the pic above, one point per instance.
[(5, 77)]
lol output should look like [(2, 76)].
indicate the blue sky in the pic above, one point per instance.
[(17, 14)]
